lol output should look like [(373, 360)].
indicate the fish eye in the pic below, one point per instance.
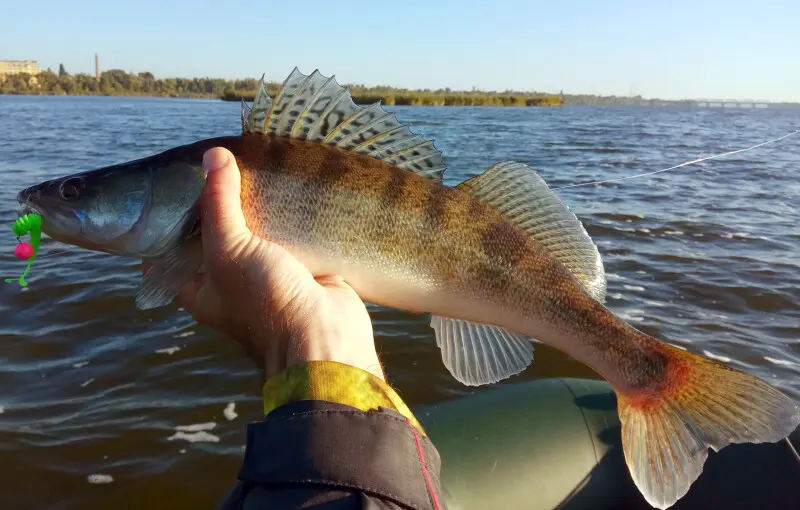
[(71, 188)]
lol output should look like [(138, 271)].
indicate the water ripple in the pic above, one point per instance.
[(705, 257)]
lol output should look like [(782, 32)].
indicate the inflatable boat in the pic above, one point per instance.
[(555, 444)]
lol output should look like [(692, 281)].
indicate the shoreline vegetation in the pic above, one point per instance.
[(116, 82), (405, 97)]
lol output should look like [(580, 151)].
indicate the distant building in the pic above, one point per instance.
[(19, 66)]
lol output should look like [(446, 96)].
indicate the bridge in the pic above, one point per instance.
[(731, 103)]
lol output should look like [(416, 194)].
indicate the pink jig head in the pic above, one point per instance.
[(24, 251)]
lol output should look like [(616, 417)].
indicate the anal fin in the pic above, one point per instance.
[(477, 354), (168, 273)]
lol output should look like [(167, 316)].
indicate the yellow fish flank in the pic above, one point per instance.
[(497, 261)]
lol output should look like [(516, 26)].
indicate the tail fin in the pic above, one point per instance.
[(666, 432)]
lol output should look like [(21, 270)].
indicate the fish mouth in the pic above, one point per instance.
[(57, 217), (24, 199)]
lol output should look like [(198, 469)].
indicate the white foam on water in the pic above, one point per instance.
[(196, 427), (230, 411), (673, 233), (783, 362), (614, 276), (678, 346), (184, 334), (711, 355), (616, 295), (633, 287), (87, 382), (99, 478), (195, 437), (81, 364), (169, 350), (740, 235), (182, 450)]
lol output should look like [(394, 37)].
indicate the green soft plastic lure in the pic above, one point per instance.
[(30, 223)]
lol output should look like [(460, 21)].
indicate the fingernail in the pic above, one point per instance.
[(215, 158)]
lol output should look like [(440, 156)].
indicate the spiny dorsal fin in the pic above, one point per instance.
[(523, 198), (316, 108), (261, 105), (245, 117)]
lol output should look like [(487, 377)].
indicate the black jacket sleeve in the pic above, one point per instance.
[(322, 455)]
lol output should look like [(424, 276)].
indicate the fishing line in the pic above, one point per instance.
[(716, 156), (53, 254), (791, 447), (682, 164)]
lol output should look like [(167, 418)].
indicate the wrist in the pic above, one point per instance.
[(335, 348)]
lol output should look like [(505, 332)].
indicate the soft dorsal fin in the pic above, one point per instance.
[(316, 108), (523, 198)]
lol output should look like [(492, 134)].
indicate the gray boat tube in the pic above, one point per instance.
[(555, 444)]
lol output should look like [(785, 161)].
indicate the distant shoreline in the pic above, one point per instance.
[(362, 99), (119, 83), (426, 98)]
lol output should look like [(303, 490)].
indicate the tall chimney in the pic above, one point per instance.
[(96, 66)]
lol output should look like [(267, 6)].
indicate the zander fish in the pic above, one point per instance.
[(497, 261)]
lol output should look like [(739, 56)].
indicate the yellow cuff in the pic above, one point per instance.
[(333, 382)]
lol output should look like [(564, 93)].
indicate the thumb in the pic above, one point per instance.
[(223, 225)]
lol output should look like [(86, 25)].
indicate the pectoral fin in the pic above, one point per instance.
[(168, 273)]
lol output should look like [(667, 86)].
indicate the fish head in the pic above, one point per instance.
[(140, 208)]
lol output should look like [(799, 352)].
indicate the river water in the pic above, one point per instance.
[(706, 257)]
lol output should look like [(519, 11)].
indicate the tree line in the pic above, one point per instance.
[(116, 82)]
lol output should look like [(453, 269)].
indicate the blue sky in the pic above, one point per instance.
[(671, 49)]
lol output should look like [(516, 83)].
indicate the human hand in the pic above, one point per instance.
[(259, 294)]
